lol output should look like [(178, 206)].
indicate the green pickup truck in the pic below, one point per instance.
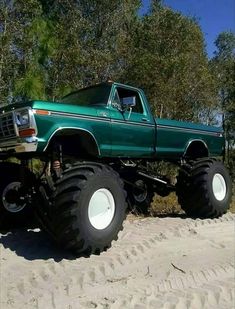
[(96, 146)]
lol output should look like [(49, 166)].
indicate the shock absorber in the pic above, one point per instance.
[(56, 165), (56, 168), (57, 160)]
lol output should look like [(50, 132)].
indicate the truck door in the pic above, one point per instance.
[(133, 131)]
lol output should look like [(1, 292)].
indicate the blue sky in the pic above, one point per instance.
[(214, 16)]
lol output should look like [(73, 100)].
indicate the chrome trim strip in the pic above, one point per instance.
[(73, 128), (102, 119), (198, 131), (142, 124), (71, 115)]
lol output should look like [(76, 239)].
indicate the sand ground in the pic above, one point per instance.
[(167, 262)]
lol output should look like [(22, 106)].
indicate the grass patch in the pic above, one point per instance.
[(232, 205), (165, 205)]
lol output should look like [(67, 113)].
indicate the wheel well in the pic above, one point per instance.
[(196, 149), (76, 142)]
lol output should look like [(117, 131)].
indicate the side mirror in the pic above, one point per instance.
[(128, 102)]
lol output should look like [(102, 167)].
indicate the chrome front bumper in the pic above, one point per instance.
[(27, 144)]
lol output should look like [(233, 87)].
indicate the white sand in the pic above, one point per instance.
[(156, 263)]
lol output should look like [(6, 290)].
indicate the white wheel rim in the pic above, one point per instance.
[(101, 209), (12, 206), (219, 187)]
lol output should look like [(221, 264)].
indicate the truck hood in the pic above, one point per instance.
[(11, 107), (53, 106), (187, 125)]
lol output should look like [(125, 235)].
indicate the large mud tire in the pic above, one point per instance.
[(14, 212), (86, 209), (204, 188)]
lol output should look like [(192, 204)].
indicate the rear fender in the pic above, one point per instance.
[(196, 148)]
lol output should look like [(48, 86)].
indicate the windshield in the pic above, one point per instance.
[(97, 95)]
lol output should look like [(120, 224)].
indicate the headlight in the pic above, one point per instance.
[(22, 118)]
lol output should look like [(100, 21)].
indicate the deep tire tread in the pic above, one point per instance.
[(63, 220), (192, 189)]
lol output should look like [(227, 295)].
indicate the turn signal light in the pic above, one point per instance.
[(41, 112), (27, 132)]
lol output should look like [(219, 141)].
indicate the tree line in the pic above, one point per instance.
[(51, 47)]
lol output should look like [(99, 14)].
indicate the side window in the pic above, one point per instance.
[(122, 93), (116, 101)]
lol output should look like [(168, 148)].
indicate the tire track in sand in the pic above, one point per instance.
[(210, 288), (65, 284)]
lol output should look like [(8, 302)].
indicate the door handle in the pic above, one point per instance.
[(103, 114), (145, 119)]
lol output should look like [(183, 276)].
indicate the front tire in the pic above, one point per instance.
[(15, 209), (88, 208), (204, 188)]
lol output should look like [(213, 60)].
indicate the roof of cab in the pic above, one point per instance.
[(107, 83)]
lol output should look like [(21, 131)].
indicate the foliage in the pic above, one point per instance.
[(223, 65), (165, 205), (48, 48), (170, 63), (24, 38)]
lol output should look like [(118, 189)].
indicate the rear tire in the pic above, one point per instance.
[(204, 188), (87, 209)]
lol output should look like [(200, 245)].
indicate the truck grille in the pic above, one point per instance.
[(7, 129)]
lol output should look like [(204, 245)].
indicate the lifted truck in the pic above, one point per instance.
[(96, 145)]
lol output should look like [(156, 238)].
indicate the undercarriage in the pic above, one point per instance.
[(82, 204)]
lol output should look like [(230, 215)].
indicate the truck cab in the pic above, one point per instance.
[(132, 126)]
